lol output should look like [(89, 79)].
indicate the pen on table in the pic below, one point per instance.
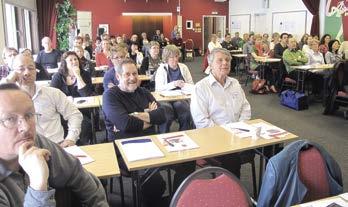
[(80, 156), (244, 130), (175, 136), (170, 144)]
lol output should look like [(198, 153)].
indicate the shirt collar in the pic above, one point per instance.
[(213, 81), (38, 89)]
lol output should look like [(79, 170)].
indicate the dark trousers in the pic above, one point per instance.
[(231, 162), (177, 110)]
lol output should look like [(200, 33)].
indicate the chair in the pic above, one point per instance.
[(303, 171), (189, 49), (337, 86), (211, 186), (246, 157)]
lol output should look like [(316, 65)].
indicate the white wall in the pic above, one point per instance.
[(2, 29), (256, 7)]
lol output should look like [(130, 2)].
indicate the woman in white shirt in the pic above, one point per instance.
[(213, 43), (173, 75)]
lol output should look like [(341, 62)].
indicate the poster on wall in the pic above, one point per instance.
[(336, 19)]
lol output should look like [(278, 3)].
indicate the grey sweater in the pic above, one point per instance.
[(65, 172)]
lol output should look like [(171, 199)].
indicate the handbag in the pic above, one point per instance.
[(294, 100)]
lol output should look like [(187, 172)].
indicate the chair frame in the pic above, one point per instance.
[(199, 174)]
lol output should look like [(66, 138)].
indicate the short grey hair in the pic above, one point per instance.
[(119, 68), (170, 50), (211, 56)]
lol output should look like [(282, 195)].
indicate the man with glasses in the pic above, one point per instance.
[(32, 167), (51, 103), (117, 56)]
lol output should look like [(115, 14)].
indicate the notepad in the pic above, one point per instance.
[(176, 142), (140, 149), (81, 155), (270, 131), (241, 129)]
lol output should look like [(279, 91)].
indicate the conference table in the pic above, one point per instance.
[(212, 142), (105, 163), (266, 61), (339, 200), (239, 60)]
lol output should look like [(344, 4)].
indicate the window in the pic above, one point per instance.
[(21, 28)]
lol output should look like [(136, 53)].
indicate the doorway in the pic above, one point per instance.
[(212, 24)]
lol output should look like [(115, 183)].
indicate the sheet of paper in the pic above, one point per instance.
[(187, 89), (171, 93), (176, 141), (344, 196), (334, 202), (270, 131), (140, 149), (81, 155), (241, 129)]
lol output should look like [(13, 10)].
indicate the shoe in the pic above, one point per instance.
[(342, 93), (289, 80)]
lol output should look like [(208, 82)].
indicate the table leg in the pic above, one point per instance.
[(94, 139), (137, 191), (261, 167)]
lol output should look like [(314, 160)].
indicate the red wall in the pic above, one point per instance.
[(110, 12)]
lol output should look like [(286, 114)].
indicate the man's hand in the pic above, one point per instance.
[(67, 143), (13, 77), (33, 160), (76, 71), (152, 106)]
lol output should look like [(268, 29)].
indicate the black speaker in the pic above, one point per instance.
[(101, 31)]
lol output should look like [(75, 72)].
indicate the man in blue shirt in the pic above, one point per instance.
[(110, 80)]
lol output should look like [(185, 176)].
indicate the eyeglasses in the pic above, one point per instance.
[(115, 57), (12, 120)]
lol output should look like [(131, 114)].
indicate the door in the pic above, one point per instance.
[(147, 24), (84, 22), (212, 25)]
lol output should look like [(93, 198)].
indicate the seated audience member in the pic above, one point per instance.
[(213, 43), (219, 99), (249, 45), (150, 63), (333, 56), (133, 39), (113, 41), (344, 50), (73, 81), (87, 44), (110, 80), (178, 41), (303, 41), (125, 39), (227, 43), (132, 111), (170, 76), (86, 64), (103, 58), (119, 40), (157, 35), (281, 46), (144, 43), (79, 42), (98, 45), (174, 32), (33, 167), (306, 47), (324, 43), (49, 102), (135, 55), (163, 41), (314, 56), (48, 57), (42, 74), (265, 37), (244, 40), (8, 55), (235, 40), (293, 57), (275, 40)]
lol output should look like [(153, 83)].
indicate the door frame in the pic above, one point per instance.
[(222, 32)]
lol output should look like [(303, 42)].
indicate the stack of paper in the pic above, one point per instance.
[(270, 131), (140, 149), (240, 129), (176, 142), (171, 93), (81, 155)]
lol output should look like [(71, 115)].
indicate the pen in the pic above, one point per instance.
[(240, 129), (170, 144), (80, 156), (174, 136)]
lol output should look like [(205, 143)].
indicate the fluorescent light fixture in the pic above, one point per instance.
[(147, 14)]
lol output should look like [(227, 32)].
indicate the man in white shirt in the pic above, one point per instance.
[(219, 99), (49, 102)]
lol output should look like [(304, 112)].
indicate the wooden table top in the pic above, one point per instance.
[(88, 102), (105, 164), (313, 67), (161, 98), (268, 60), (213, 141)]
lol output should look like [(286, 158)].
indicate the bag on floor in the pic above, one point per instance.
[(294, 100), (258, 86)]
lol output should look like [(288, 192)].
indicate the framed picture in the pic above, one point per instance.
[(104, 28), (189, 24)]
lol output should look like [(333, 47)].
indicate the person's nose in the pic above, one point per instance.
[(23, 125)]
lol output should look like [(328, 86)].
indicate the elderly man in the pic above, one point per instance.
[(48, 57), (32, 167), (132, 111), (219, 99), (8, 55), (49, 102)]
